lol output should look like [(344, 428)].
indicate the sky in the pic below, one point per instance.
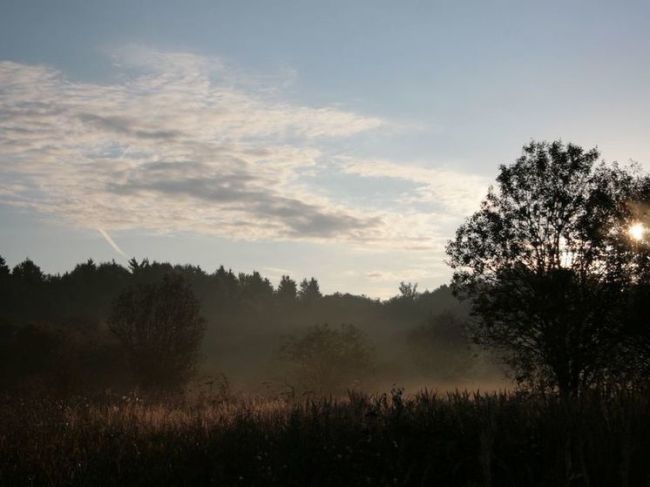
[(344, 140)]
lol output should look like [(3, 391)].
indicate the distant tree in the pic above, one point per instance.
[(254, 286), (226, 284), (546, 262), (28, 297), (86, 293), (408, 291), (409, 305), (326, 359), (4, 268), (287, 289), (309, 290), (5, 275), (161, 329), (135, 266), (28, 273), (440, 347)]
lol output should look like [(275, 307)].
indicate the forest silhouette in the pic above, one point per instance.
[(60, 335)]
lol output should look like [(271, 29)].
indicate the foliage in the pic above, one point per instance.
[(637, 332), (546, 262), (4, 268), (309, 291), (161, 329), (326, 359), (408, 291), (46, 360), (287, 289), (440, 346)]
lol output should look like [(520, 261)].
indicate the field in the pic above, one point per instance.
[(425, 439)]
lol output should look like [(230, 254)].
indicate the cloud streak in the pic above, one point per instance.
[(111, 242), (181, 142)]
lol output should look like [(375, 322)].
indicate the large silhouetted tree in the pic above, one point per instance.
[(161, 329), (547, 263)]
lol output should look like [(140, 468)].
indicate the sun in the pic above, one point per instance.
[(637, 231)]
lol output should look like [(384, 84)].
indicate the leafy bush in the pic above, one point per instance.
[(326, 359), (161, 329), (440, 347)]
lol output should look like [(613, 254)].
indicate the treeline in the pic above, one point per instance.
[(54, 330)]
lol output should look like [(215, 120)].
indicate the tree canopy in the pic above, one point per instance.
[(326, 359), (161, 329), (547, 261)]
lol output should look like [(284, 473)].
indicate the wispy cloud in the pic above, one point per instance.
[(175, 145), (181, 142), (455, 192)]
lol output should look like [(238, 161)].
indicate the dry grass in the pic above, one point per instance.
[(425, 439)]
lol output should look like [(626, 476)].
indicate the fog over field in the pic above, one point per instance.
[(60, 334)]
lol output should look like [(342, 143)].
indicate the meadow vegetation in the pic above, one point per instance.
[(602, 439)]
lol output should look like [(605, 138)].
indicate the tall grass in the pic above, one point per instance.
[(426, 439)]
